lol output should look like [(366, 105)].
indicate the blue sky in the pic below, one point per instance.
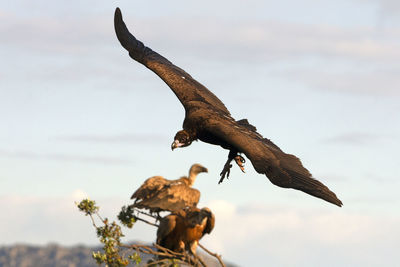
[(319, 78)]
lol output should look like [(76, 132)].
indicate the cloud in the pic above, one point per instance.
[(375, 82), (84, 48), (386, 8), (351, 138), (254, 233), (149, 138), (40, 220), (267, 41), (50, 33), (63, 157), (355, 138), (261, 39), (246, 235)]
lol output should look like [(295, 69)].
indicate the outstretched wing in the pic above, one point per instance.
[(182, 84), (284, 170)]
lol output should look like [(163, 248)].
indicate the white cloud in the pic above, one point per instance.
[(149, 138), (79, 194), (386, 8), (63, 157), (251, 234), (40, 220), (246, 235), (265, 39), (355, 138), (357, 80)]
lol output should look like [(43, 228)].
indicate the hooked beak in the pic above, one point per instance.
[(176, 144)]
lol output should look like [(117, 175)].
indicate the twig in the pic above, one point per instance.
[(200, 260), (146, 221), (161, 261), (165, 252), (148, 250), (94, 224), (213, 254), (145, 213)]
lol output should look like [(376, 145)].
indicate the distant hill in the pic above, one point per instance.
[(53, 255)]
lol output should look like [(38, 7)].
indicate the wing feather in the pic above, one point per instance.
[(181, 83), (150, 187), (284, 170)]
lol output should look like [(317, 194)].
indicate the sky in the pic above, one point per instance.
[(320, 78)]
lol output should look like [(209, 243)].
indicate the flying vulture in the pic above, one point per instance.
[(207, 119), (182, 230), (159, 194)]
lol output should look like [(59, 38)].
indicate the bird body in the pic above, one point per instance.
[(159, 194), (182, 230), (207, 119)]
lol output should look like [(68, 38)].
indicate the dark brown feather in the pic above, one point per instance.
[(284, 170), (182, 84), (208, 120), (182, 230)]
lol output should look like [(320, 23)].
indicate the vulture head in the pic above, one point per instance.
[(182, 139), (196, 169), (182, 230), (203, 217)]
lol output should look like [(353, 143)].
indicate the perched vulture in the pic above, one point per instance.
[(159, 194), (207, 119), (182, 230)]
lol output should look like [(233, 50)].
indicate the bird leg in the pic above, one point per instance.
[(240, 161), (233, 155)]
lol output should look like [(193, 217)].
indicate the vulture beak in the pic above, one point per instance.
[(176, 144)]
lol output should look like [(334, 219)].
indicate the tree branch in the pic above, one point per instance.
[(143, 220), (213, 254)]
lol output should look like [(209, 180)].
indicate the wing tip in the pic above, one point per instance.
[(122, 32), (328, 196), (338, 203), (117, 16)]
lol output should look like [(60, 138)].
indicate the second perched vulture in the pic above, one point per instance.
[(207, 119), (182, 230), (159, 194)]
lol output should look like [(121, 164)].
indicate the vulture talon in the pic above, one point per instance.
[(240, 161), (226, 171)]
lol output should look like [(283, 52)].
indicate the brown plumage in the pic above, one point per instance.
[(207, 119), (159, 194), (182, 230)]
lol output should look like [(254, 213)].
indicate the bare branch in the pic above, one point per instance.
[(162, 261), (143, 220), (214, 255), (147, 214), (94, 224)]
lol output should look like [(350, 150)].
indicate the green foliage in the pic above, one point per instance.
[(110, 235), (135, 258), (126, 216), (88, 206)]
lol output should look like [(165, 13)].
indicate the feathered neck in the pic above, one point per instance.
[(192, 177)]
